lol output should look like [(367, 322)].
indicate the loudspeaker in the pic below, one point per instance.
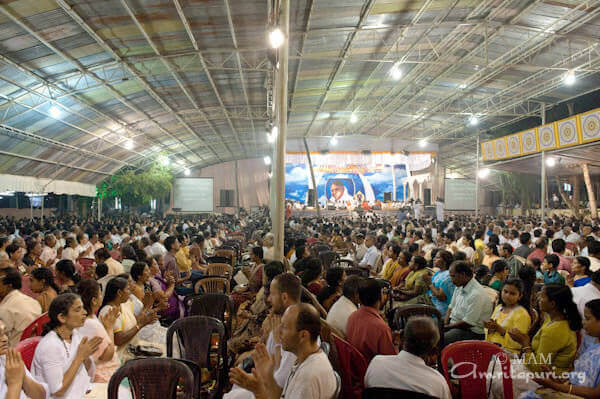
[(311, 197), (387, 197), (427, 196)]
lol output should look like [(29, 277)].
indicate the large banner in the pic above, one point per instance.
[(351, 177)]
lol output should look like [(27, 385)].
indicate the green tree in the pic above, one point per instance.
[(138, 187), (517, 188)]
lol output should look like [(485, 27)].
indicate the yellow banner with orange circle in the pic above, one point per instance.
[(579, 129)]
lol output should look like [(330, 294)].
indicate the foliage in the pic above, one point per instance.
[(518, 188), (136, 187)]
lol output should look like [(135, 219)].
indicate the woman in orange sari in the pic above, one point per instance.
[(402, 270)]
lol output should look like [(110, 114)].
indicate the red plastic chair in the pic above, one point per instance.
[(87, 266), (352, 368), (36, 327), (27, 349), (470, 358)]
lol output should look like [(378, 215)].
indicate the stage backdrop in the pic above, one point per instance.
[(341, 176)]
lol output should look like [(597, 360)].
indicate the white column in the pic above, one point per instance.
[(543, 172), (278, 213), (477, 180)]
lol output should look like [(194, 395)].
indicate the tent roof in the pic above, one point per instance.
[(192, 79)]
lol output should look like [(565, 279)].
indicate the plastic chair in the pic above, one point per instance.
[(345, 263), (401, 315), (390, 393), (212, 285), (196, 371), (219, 306), (200, 339), (316, 249), (27, 349), (226, 253), (36, 327), (217, 259), (351, 365), (86, 264), (359, 271), (154, 378), (309, 297), (220, 269), (327, 258), (465, 355)]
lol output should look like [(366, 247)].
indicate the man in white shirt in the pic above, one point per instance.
[(285, 290), (594, 255), (156, 248), (347, 304), (311, 377), (581, 296), (372, 253), (584, 294), (360, 249), (408, 370)]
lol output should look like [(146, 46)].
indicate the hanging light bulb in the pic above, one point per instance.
[(423, 143), (396, 72), (164, 160), (353, 118), (267, 160), (569, 78), (276, 38), (55, 112), (186, 172), (483, 173), (333, 141), (473, 120)]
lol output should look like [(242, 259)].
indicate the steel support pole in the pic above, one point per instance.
[(312, 176), (277, 217), (42, 219), (543, 172), (477, 180), (237, 188)]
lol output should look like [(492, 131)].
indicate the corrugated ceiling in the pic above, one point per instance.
[(119, 70)]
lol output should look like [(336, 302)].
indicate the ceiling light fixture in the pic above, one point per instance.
[(267, 160), (333, 141), (55, 112), (423, 143), (353, 118), (551, 162), (129, 144), (276, 38), (186, 172), (164, 160), (569, 78), (473, 120), (483, 173), (395, 71)]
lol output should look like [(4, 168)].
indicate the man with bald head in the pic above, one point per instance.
[(408, 370), (311, 376)]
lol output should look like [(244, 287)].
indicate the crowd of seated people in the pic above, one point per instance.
[(529, 286)]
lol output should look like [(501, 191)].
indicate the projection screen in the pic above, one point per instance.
[(193, 194), (459, 194)]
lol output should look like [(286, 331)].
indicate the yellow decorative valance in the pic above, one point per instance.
[(578, 129)]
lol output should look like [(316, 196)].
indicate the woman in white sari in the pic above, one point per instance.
[(63, 359)]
